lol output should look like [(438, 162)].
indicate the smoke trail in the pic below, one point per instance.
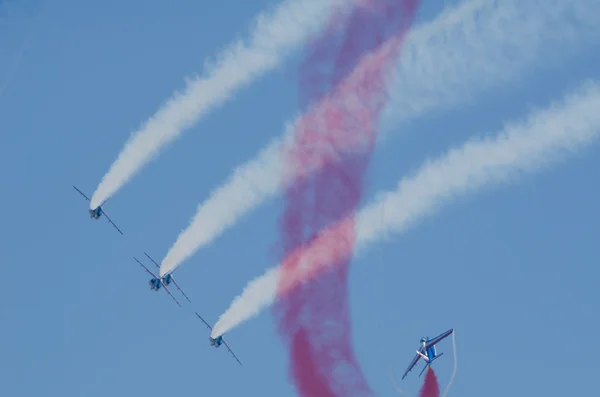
[(468, 48), (487, 44), (319, 114), (455, 365), (523, 147), (309, 378), (275, 34), (430, 385), (337, 137)]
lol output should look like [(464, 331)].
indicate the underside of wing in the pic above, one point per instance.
[(171, 295), (153, 261), (412, 365), (232, 353), (111, 222), (80, 192), (205, 323), (180, 290), (144, 266)]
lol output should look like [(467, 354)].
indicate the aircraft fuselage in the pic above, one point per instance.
[(428, 354), (156, 283), (216, 342), (96, 213), (431, 353)]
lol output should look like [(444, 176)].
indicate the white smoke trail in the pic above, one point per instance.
[(225, 205), (523, 147), (485, 44), (455, 365), (251, 175), (474, 46), (274, 36)]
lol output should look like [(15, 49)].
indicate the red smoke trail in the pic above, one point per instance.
[(430, 386), (336, 136)]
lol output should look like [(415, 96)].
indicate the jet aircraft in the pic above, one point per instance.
[(218, 341), (427, 351), (157, 282), (98, 211)]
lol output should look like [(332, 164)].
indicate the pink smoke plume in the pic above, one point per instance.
[(430, 385), (343, 90)]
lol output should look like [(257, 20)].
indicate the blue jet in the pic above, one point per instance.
[(98, 211), (218, 341), (427, 351), (157, 282)]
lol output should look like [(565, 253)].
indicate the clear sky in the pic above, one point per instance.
[(512, 269)]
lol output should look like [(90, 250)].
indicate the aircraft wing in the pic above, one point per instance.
[(148, 270), (180, 290), (153, 261), (80, 192), (111, 222), (438, 338), (412, 365), (232, 353), (226, 345), (200, 317), (171, 295)]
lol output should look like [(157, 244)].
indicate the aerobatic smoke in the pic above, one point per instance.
[(430, 385), (335, 138), (275, 34), (455, 365), (521, 147), (467, 48), (308, 378)]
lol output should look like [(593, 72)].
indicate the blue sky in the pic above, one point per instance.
[(512, 269)]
